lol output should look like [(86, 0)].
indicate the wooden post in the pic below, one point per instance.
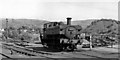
[(90, 42)]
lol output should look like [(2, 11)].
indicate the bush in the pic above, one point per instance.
[(25, 36)]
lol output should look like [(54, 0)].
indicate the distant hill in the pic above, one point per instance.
[(103, 26), (23, 22), (108, 26), (83, 23), (39, 23)]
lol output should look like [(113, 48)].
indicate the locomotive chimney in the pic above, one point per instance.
[(69, 21)]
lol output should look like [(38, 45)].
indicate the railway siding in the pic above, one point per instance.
[(30, 52)]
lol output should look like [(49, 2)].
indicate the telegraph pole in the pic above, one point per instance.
[(6, 28)]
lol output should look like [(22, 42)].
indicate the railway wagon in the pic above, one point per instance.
[(61, 36)]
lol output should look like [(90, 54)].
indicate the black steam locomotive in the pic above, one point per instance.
[(61, 36)]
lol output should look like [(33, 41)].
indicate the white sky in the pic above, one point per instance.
[(58, 10)]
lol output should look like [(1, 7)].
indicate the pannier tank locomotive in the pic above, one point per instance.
[(61, 36)]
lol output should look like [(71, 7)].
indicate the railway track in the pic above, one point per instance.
[(31, 52), (5, 55)]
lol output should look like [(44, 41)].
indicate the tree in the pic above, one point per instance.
[(25, 36), (13, 34), (11, 28)]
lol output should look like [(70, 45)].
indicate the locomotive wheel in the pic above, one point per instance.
[(70, 48), (45, 45)]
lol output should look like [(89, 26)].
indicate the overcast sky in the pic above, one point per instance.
[(58, 10)]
